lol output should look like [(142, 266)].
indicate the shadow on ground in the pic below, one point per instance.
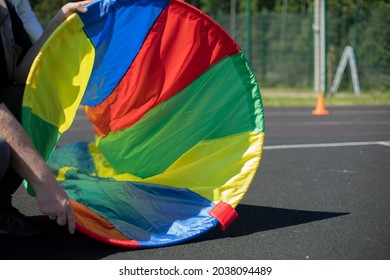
[(55, 243), (254, 219)]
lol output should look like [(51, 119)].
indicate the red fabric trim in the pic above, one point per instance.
[(132, 244), (224, 213)]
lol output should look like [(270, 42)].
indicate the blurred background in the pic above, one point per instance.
[(279, 39)]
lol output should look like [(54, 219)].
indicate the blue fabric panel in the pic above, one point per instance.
[(117, 29), (75, 155), (190, 229), (153, 215)]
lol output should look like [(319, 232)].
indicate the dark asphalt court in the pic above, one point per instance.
[(307, 201)]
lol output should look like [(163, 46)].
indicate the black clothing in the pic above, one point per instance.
[(10, 181), (11, 95), (21, 39)]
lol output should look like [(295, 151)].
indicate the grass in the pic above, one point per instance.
[(281, 97)]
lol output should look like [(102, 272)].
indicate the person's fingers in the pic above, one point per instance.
[(66, 216), (85, 3), (71, 7), (71, 220), (80, 6), (61, 219)]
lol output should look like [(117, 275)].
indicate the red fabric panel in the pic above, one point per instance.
[(182, 44), (224, 213)]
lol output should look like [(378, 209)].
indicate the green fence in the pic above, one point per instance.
[(282, 43), (282, 47)]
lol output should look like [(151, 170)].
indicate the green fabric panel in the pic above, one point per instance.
[(225, 100), (43, 135), (249, 81)]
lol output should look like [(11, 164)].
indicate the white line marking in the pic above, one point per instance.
[(322, 123), (308, 112), (326, 145), (384, 143)]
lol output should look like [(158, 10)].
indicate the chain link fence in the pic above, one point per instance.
[(283, 44), (283, 54)]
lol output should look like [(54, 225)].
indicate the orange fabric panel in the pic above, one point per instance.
[(87, 220), (181, 45)]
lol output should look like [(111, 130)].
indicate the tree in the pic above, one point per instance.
[(45, 10), (212, 7)]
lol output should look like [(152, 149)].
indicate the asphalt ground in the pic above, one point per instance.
[(322, 192)]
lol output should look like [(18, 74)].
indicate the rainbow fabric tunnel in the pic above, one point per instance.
[(177, 114)]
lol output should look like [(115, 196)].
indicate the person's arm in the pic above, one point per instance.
[(68, 9), (27, 162), (29, 19), (25, 159)]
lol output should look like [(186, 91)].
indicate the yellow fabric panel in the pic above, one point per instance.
[(234, 190), (226, 179), (104, 169), (62, 70), (62, 172)]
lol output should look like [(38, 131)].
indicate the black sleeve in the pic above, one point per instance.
[(20, 34), (3, 72), (21, 38)]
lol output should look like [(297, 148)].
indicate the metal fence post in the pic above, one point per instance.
[(249, 30)]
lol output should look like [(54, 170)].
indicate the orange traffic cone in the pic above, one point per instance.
[(320, 107)]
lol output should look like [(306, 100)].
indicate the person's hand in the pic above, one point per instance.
[(73, 7), (70, 8), (29, 165), (54, 202)]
